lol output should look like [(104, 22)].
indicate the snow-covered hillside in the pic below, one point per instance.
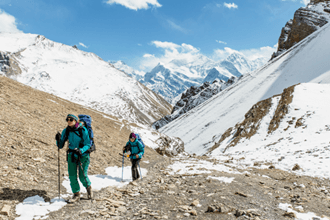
[(78, 76), (202, 127), (293, 128)]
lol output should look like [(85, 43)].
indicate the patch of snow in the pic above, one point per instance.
[(222, 179)]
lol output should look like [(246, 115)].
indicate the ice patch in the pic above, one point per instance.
[(299, 216), (35, 207), (114, 178), (222, 179)]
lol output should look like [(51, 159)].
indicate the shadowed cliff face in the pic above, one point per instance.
[(305, 21)]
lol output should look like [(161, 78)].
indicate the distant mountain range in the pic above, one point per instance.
[(171, 79), (78, 76)]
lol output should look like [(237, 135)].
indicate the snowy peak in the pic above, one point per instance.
[(78, 76), (240, 62), (179, 75), (121, 65)]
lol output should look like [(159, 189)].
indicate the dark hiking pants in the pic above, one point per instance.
[(135, 170)]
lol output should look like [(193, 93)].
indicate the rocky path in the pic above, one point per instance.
[(242, 194)]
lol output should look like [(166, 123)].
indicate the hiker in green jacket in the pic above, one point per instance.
[(77, 157), (136, 150)]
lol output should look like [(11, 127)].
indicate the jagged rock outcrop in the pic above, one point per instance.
[(193, 97), (306, 20), (9, 65), (169, 146)]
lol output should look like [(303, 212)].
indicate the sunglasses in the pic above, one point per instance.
[(69, 119)]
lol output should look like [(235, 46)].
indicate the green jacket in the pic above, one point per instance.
[(136, 148), (75, 140)]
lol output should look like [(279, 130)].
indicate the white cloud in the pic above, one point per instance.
[(230, 5), (135, 4), (251, 54), (305, 2), (220, 42), (8, 23), (171, 51), (186, 53), (140, 45), (83, 45), (147, 55), (175, 26)]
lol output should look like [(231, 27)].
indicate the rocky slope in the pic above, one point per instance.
[(29, 120), (167, 193), (306, 20), (78, 76), (193, 97)]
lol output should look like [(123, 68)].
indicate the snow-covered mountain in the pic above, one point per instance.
[(136, 74), (305, 62), (170, 80), (78, 76)]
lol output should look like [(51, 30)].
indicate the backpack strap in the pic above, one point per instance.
[(80, 134)]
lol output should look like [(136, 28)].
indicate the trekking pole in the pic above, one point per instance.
[(59, 176), (122, 170), (140, 169)]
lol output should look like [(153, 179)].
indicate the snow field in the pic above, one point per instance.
[(303, 136), (36, 208)]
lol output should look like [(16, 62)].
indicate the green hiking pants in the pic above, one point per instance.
[(83, 170)]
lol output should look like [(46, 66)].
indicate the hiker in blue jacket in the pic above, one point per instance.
[(136, 152), (77, 157)]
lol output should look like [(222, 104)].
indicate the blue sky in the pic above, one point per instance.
[(145, 32)]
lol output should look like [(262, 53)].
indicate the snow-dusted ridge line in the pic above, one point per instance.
[(81, 77)]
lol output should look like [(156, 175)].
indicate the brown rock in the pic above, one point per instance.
[(296, 167), (290, 214), (211, 209), (194, 203), (193, 212), (5, 210), (304, 22)]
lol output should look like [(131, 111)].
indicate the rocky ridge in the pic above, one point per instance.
[(306, 20), (192, 97)]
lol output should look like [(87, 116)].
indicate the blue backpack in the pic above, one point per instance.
[(87, 122), (139, 139)]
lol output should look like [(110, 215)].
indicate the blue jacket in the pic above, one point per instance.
[(74, 140), (136, 148)]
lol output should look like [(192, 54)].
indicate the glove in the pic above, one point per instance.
[(136, 156), (58, 136), (78, 152)]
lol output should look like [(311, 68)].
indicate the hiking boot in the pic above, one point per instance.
[(75, 197), (89, 192)]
